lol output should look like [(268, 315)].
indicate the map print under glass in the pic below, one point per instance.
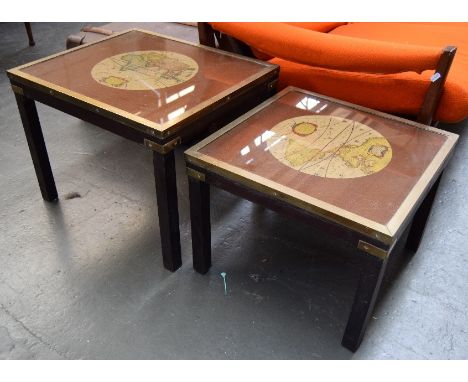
[(329, 146), (143, 70)]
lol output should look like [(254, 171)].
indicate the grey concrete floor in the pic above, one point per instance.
[(83, 278)]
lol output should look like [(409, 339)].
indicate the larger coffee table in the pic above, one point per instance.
[(151, 89), (367, 177)]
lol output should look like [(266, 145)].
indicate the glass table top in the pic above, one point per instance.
[(146, 75), (349, 161)]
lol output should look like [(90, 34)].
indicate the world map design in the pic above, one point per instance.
[(143, 70), (329, 146)]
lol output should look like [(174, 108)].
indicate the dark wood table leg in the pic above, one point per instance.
[(37, 148), (420, 218), (168, 211), (372, 272), (199, 193), (30, 35)]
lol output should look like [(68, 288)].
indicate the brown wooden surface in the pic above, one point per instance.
[(199, 193), (434, 92), (419, 221), (287, 209), (216, 73), (168, 211), (30, 34), (37, 147), (87, 115), (206, 35), (376, 197), (215, 39), (371, 275)]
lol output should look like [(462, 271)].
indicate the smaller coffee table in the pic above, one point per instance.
[(155, 90), (365, 176)]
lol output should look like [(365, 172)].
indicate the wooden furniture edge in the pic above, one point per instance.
[(436, 87)]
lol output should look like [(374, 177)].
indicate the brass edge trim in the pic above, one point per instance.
[(17, 89), (406, 207), (162, 149), (195, 174), (67, 51), (89, 103), (373, 250), (171, 127), (195, 148), (308, 203), (215, 50)]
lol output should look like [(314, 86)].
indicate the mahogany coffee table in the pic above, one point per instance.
[(365, 176), (151, 89)]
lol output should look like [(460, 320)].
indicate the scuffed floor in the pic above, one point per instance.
[(83, 278)]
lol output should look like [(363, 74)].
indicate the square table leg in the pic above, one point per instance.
[(37, 147), (199, 193), (30, 34), (372, 272), (168, 211), (420, 218)]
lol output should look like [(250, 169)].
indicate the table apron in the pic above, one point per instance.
[(350, 236), (86, 115), (201, 125)]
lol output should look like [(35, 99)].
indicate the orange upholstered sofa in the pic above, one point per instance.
[(385, 66)]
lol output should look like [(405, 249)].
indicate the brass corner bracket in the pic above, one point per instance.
[(373, 250), (162, 149), (195, 174), (17, 89)]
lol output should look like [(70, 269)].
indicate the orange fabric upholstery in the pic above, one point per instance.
[(385, 66), (318, 27), (309, 47)]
